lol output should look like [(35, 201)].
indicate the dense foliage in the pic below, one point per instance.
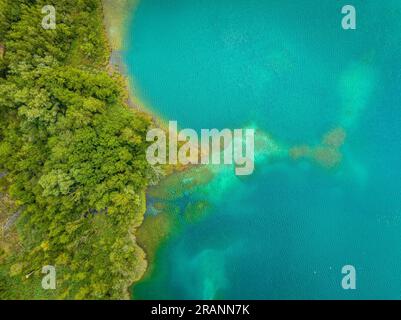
[(73, 155)]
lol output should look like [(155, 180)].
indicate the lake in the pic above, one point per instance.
[(326, 106)]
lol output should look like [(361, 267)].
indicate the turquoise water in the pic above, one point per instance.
[(287, 68)]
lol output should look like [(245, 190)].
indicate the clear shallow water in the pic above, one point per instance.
[(290, 70)]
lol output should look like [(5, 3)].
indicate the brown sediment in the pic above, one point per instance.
[(327, 154), (299, 152), (335, 138)]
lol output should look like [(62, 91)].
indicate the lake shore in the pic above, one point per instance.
[(114, 19), (115, 22)]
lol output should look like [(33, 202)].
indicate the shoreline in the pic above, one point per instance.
[(115, 23), (115, 34)]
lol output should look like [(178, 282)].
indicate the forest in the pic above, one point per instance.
[(73, 171)]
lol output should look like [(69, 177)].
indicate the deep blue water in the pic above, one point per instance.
[(288, 68)]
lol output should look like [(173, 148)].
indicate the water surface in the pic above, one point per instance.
[(287, 68)]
